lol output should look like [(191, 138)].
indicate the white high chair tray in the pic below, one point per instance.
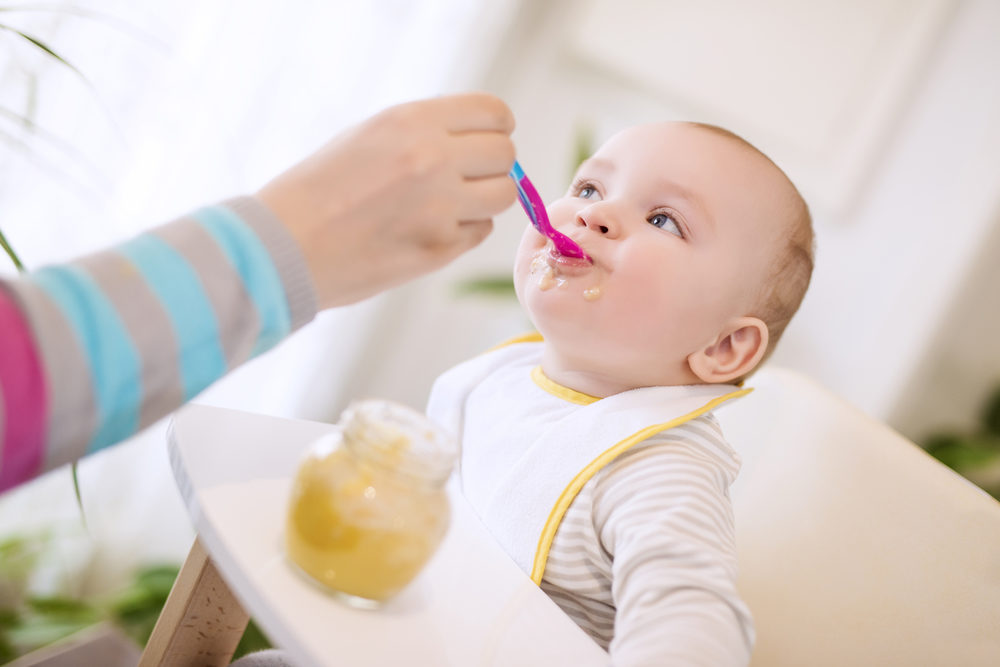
[(470, 606)]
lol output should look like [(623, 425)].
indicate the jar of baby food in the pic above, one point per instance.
[(368, 506)]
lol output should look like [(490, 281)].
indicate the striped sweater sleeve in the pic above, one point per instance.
[(644, 560), (97, 349), (664, 514)]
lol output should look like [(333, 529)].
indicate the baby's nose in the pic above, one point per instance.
[(597, 221)]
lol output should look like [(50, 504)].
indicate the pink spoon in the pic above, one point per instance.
[(535, 208)]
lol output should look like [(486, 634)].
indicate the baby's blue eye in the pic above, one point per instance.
[(586, 192), (667, 222)]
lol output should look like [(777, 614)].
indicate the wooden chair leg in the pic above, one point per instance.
[(201, 623)]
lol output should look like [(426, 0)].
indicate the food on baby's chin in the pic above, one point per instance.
[(358, 528), (549, 277)]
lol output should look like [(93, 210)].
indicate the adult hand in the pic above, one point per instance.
[(403, 193)]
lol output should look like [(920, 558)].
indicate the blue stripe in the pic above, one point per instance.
[(116, 370), (179, 289), (260, 277)]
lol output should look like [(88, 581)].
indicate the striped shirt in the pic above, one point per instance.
[(644, 559), (95, 350)]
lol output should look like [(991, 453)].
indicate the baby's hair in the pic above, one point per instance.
[(786, 286)]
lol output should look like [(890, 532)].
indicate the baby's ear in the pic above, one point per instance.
[(737, 350)]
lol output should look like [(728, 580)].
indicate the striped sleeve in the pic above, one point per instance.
[(663, 514), (95, 350)]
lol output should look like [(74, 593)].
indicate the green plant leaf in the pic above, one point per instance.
[(991, 413), (964, 452), (19, 554), (502, 286), (75, 467), (253, 639), (48, 619), (44, 47), (109, 20), (10, 253), (137, 608), (7, 652), (583, 147), (36, 632), (60, 606)]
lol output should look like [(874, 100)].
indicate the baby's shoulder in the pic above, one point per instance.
[(696, 447)]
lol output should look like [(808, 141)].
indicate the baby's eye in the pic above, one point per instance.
[(585, 190), (667, 222)]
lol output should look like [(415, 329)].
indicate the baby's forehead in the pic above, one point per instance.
[(667, 135), (718, 165)]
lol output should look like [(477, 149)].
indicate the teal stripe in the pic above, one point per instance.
[(252, 261), (111, 354), (180, 291)]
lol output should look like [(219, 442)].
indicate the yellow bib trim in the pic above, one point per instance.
[(559, 391), (530, 337), (591, 469)]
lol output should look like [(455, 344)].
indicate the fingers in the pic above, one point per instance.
[(473, 112), (482, 154), (471, 233), (485, 197)]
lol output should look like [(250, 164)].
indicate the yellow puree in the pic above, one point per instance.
[(550, 278), (359, 529)]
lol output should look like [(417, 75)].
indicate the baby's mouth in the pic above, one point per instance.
[(566, 265)]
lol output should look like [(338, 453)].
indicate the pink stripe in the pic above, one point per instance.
[(24, 398)]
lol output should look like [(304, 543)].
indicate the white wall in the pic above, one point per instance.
[(896, 245)]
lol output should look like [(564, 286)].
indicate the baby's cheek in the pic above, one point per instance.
[(531, 243), (531, 239)]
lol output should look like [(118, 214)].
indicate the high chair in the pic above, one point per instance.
[(855, 547)]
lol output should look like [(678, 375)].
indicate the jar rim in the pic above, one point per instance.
[(400, 438)]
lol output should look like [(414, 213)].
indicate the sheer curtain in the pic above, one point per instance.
[(176, 105)]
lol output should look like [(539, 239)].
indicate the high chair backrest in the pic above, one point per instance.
[(856, 547)]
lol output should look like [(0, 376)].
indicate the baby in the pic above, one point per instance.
[(590, 450)]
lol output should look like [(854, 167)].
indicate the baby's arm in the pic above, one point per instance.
[(664, 514)]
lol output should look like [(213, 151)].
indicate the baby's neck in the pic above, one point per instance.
[(595, 381)]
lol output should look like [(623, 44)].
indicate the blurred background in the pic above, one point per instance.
[(116, 116)]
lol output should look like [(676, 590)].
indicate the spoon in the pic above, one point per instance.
[(535, 208)]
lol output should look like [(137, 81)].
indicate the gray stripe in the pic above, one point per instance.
[(686, 472), (588, 587), (72, 415), (149, 327), (286, 255), (599, 623), (590, 621), (603, 612), (235, 312), (579, 539)]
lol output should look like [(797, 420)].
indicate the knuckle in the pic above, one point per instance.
[(500, 114), (421, 158), (509, 154), (401, 119)]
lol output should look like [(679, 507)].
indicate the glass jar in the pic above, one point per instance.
[(368, 506)]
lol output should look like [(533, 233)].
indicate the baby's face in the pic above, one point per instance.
[(681, 227)]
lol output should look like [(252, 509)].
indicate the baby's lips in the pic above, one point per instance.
[(568, 265)]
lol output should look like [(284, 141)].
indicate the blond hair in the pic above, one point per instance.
[(783, 291)]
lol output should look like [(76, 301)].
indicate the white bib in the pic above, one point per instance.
[(522, 480)]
